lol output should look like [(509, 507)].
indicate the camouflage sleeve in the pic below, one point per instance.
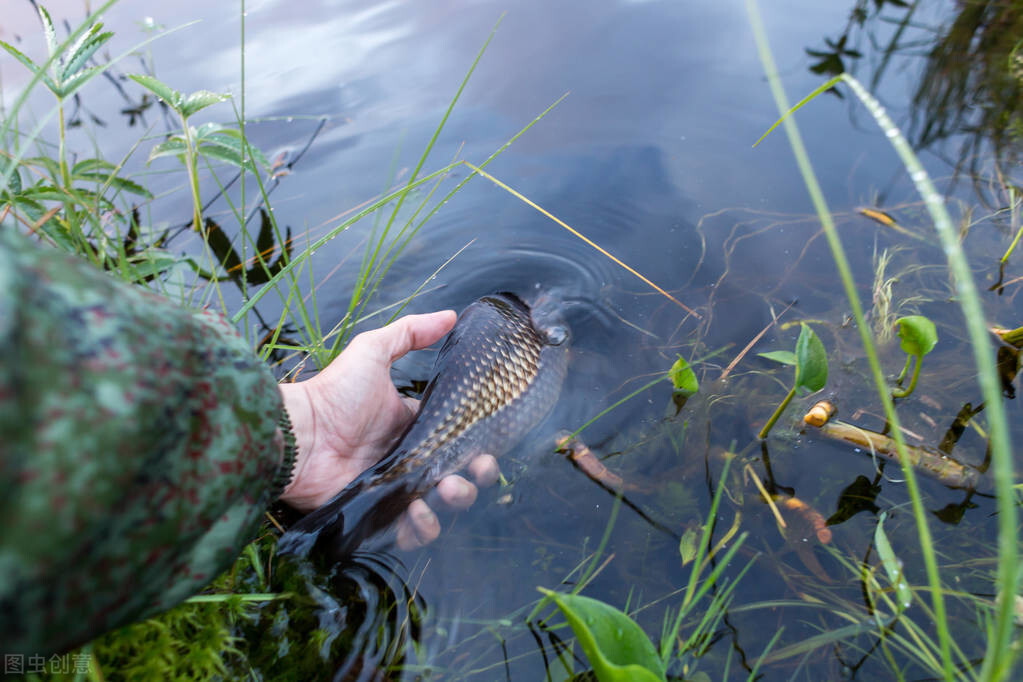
[(139, 447)]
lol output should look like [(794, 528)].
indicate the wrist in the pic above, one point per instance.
[(298, 411)]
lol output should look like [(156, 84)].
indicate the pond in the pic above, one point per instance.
[(648, 153)]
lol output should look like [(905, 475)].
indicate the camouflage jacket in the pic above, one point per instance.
[(139, 447)]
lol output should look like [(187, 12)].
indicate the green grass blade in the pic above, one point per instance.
[(799, 105), (845, 273), (999, 656)]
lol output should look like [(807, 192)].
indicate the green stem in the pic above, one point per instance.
[(1013, 203), (903, 392), (777, 413), (909, 359), (191, 164), (65, 174)]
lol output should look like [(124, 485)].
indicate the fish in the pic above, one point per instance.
[(498, 374)]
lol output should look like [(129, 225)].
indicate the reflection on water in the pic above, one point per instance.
[(650, 157)]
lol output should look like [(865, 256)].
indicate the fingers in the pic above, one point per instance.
[(456, 492), (484, 470), (411, 332), (418, 526)]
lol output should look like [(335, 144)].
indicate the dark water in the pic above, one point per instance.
[(650, 156)]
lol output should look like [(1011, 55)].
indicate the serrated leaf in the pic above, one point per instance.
[(207, 129), (683, 378), (51, 35), (29, 64), (117, 182), (70, 86), (811, 361), (87, 165), (175, 146), (84, 51), (918, 335), (44, 193), (785, 357), (33, 209), (153, 262), (14, 183), (224, 153), (892, 565), (169, 95), (51, 165), (232, 138), (199, 100), (615, 645)]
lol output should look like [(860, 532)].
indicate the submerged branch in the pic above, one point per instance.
[(934, 464)]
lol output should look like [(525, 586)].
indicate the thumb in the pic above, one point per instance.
[(412, 332)]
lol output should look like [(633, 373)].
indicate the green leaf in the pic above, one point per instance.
[(86, 165), (683, 378), (169, 95), (785, 357), (200, 99), (117, 182), (892, 565), (799, 105), (175, 146), (918, 334), (615, 645), (14, 184), (231, 138), (51, 165), (689, 545), (68, 87), (84, 49), (44, 193), (225, 154), (51, 35), (29, 64), (811, 361), (153, 262)]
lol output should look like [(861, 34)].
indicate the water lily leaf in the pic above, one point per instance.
[(892, 565), (199, 100), (918, 335), (811, 361), (168, 94), (683, 378), (615, 645), (785, 357)]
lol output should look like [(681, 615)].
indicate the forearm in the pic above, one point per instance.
[(139, 446)]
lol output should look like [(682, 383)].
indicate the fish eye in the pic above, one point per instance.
[(556, 334)]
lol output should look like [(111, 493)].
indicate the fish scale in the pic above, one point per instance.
[(497, 375)]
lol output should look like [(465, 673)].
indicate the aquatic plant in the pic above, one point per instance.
[(918, 336), (811, 363), (999, 656)]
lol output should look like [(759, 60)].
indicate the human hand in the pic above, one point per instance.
[(350, 414)]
